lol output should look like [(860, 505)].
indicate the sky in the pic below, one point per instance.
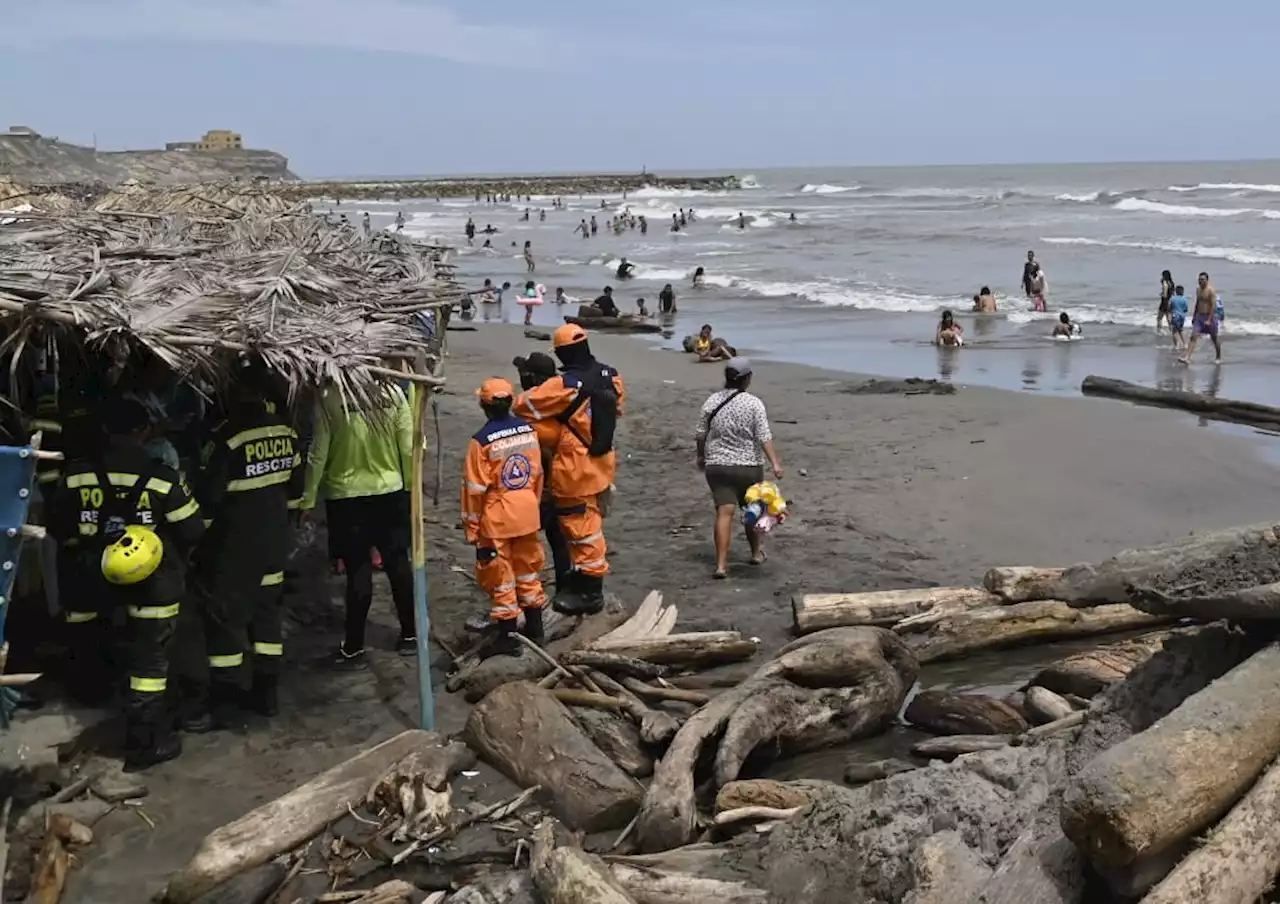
[(418, 87)]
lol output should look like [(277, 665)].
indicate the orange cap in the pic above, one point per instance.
[(569, 334), (495, 388)]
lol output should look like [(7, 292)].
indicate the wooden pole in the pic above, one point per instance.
[(421, 614)]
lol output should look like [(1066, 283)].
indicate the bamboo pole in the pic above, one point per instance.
[(421, 613)]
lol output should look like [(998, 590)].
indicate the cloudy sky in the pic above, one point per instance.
[(393, 87)]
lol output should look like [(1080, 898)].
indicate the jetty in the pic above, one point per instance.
[(517, 186)]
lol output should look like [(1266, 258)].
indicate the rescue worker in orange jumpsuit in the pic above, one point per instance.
[(501, 492), (585, 399)]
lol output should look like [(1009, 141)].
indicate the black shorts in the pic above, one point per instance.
[(362, 523), (729, 483)]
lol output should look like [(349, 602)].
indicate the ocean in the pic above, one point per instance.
[(857, 282)]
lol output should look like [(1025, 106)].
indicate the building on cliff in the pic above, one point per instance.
[(220, 156)]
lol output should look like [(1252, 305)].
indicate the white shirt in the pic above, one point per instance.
[(738, 432)]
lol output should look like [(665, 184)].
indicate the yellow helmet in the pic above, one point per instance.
[(134, 557)]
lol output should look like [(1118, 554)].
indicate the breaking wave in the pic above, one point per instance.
[(1212, 252), (826, 189), (1141, 205)]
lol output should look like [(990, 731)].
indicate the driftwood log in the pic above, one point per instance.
[(1023, 623), (529, 736), (1022, 584), (1159, 788), (697, 874), (288, 821), (512, 887), (863, 773), (566, 875), (1044, 706), (701, 649), (477, 679), (823, 689), (1251, 413), (819, 611), (618, 739), (943, 712), (1238, 861), (948, 748), (1111, 580), (615, 324), (1089, 673)]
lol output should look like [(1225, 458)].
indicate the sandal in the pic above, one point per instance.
[(760, 559), (720, 575)]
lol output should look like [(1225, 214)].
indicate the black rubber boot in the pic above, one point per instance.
[(147, 743), (587, 599), (532, 627), (481, 624), (503, 642), (219, 711), (264, 697)]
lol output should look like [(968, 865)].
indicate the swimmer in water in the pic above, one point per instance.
[(792, 218), (1064, 327), (699, 278), (561, 298), (949, 332), (675, 223), (641, 311), (626, 269), (742, 220), (984, 301)]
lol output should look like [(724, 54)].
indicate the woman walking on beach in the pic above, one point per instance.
[(1167, 291), (734, 441)]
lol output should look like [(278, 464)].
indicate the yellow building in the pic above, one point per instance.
[(220, 140)]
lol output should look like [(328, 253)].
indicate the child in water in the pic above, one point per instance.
[(949, 332), (1179, 306), (531, 298)]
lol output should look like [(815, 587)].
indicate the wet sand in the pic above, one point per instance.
[(901, 491)]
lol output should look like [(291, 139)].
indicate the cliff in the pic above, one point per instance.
[(46, 161)]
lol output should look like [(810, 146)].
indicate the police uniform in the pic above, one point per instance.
[(251, 478), (84, 519)]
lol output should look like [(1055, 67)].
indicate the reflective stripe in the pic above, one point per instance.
[(271, 580), (269, 649), (295, 504), (229, 661), (147, 685), (537, 415), (502, 613), (48, 426), (208, 522), (467, 516), (49, 476), (503, 588), (182, 512), (242, 484), (256, 433), (585, 565), (477, 487), (77, 618), (591, 539), (88, 530), (531, 598), (119, 479), (154, 612), (527, 577)]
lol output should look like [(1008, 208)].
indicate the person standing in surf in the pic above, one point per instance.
[(1027, 270), (1167, 291), (1038, 288), (529, 264), (1204, 322), (1179, 306)]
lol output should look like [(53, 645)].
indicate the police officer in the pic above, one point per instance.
[(251, 478), (130, 523)]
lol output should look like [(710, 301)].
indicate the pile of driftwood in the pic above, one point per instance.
[(529, 186), (207, 200), (321, 302), (1103, 776)]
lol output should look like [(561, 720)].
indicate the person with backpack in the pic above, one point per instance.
[(586, 398), (733, 441), (127, 525)]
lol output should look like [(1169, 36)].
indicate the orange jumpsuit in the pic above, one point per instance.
[(577, 478), (501, 489)]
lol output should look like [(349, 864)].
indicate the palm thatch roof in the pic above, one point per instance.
[(321, 303)]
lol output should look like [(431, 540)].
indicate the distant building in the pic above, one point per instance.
[(182, 146), (21, 132), (220, 140)]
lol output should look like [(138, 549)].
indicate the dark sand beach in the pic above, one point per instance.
[(901, 490)]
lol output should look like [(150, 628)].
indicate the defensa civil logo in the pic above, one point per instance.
[(516, 472)]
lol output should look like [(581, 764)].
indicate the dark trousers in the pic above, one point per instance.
[(150, 622), (357, 525), (556, 539), (266, 628), (242, 614)]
